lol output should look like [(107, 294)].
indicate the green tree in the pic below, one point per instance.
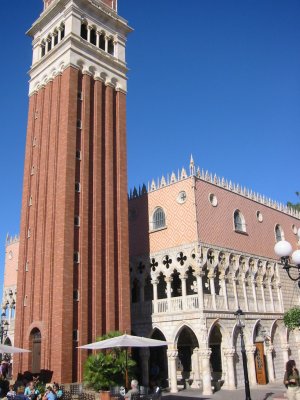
[(296, 206), (107, 368), (291, 318)]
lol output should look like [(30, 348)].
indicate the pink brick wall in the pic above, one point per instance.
[(180, 219), (11, 264), (216, 223)]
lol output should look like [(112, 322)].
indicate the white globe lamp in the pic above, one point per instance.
[(283, 248), (296, 257)]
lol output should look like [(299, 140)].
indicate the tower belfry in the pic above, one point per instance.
[(73, 278)]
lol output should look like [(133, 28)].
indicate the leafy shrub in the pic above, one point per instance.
[(107, 368), (291, 318)]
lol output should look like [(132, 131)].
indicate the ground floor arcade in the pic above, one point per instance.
[(205, 353)]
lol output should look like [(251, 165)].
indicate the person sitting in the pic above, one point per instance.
[(133, 391), (31, 391), (57, 390), (20, 394), (11, 393), (49, 394)]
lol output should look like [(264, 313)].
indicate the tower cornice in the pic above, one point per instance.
[(58, 6)]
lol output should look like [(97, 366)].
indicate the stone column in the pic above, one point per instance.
[(168, 280), (285, 352), (245, 293), (106, 43), (200, 290), (254, 294), (224, 288), (145, 355), (250, 351), (211, 277), (172, 356), (234, 279), (196, 384), (52, 40), (98, 33), (270, 365), (278, 287), (263, 296), (271, 296), (183, 291), (89, 28), (154, 283), (230, 376), (204, 354)]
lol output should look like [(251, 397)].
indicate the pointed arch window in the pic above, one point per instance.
[(279, 235), (239, 221), (159, 219)]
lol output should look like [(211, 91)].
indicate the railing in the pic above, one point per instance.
[(190, 303)]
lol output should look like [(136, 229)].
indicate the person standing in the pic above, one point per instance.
[(292, 380), (133, 391)]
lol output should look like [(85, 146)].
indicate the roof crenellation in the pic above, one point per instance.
[(205, 175)]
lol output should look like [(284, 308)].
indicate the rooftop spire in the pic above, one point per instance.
[(192, 166)]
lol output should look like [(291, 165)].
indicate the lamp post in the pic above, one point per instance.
[(284, 250), (3, 327), (240, 322), (3, 330)]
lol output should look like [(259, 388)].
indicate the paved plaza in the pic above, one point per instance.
[(261, 392)]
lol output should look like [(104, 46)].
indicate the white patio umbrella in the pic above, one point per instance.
[(11, 349), (124, 341)]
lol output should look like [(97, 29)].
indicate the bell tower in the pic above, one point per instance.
[(73, 278)]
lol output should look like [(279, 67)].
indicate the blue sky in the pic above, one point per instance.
[(215, 78)]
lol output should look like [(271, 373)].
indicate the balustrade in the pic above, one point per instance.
[(190, 303)]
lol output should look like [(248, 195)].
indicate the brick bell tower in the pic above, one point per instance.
[(73, 278)]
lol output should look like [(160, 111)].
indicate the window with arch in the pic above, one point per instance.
[(110, 46), (102, 41), (239, 221), (93, 36), (55, 34), (83, 31), (159, 219), (279, 235), (49, 43), (62, 31), (43, 48)]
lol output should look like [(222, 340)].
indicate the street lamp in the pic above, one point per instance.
[(284, 250), (240, 323), (3, 327)]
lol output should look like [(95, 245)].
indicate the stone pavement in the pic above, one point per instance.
[(261, 392)]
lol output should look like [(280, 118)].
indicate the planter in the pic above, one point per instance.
[(104, 395)]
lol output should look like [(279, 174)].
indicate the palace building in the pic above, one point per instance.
[(73, 277), (200, 248)]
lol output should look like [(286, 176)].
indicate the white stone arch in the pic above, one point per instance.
[(226, 337), (179, 328), (280, 347), (218, 358)]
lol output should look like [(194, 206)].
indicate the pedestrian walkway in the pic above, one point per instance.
[(261, 392)]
